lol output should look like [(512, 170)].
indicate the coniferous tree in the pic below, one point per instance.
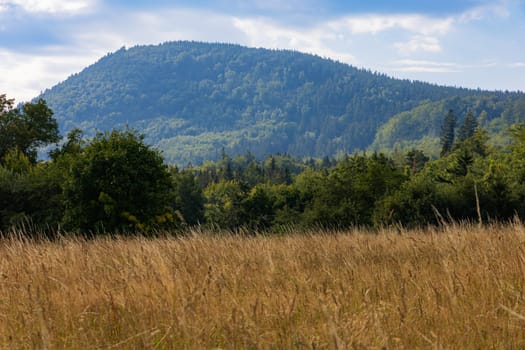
[(446, 137), (468, 128)]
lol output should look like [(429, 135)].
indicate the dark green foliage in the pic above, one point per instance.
[(513, 167), (468, 128), (188, 197), (477, 143), (117, 183), (288, 204), (446, 137), (71, 148), (192, 99), (26, 128), (446, 188), (416, 160), (275, 169), (348, 195), (411, 205), (258, 208), (462, 160), (224, 201), (498, 199), (31, 198)]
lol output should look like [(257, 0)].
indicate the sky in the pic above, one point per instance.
[(468, 43)]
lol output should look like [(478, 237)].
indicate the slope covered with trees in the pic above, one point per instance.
[(193, 99), (420, 127)]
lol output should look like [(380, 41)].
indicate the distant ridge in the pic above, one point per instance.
[(192, 99)]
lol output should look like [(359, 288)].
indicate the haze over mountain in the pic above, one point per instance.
[(192, 99)]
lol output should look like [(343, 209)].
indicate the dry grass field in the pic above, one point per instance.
[(454, 288)]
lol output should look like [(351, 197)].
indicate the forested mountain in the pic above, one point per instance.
[(192, 100)]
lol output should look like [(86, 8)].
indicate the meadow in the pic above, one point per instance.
[(458, 286)]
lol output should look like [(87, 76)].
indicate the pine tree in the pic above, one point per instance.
[(468, 128), (446, 137)]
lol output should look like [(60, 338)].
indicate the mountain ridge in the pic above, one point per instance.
[(191, 99)]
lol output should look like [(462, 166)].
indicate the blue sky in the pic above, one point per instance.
[(470, 43)]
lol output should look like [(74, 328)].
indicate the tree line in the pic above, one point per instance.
[(115, 182)]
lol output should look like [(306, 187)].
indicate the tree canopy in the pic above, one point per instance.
[(117, 183)]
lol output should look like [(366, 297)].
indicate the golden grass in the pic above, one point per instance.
[(462, 287)]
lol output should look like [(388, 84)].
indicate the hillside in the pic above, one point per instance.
[(420, 127), (193, 99)]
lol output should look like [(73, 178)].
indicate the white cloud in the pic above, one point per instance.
[(423, 69), (498, 9), (49, 6), (317, 40), (25, 75), (418, 43), (373, 24), (334, 38), (423, 66), (517, 65), (147, 28)]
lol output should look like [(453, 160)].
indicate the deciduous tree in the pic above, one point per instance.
[(118, 183), (26, 128)]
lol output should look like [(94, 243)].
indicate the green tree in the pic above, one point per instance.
[(351, 191), (71, 148), (411, 205), (468, 128), (415, 160), (223, 206), (118, 183), (188, 197), (30, 195), (497, 200), (515, 161), (446, 137), (16, 161), (288, 204), (26, 128), (258, 208)]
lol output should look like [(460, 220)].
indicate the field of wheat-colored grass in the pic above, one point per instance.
[(458, 287)]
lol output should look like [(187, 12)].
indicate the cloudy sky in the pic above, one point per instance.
[(471, 43)]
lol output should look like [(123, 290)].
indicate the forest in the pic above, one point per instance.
[(115, 182), (193, 99)]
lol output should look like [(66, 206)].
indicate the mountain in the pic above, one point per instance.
[(194, 99)]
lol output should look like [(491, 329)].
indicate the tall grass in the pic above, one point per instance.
[(460, 287)]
